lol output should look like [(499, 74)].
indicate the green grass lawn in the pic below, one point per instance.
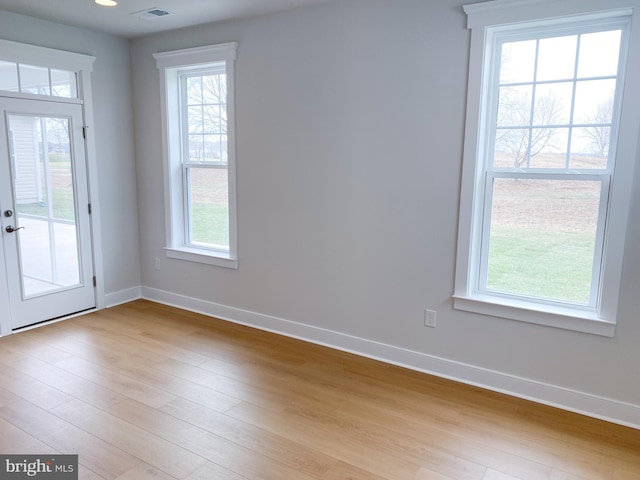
[(553, 265), (210, 224), (63, 207)]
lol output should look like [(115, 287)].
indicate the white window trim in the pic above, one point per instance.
[(168, 64), (600, 321)]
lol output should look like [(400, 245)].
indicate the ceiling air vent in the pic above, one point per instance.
[(151, 13)]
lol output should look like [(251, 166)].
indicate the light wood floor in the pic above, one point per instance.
[(143, 391)]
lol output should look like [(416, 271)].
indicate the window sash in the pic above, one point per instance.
[(481, 283), (498, 36), (216, 70), (188, 191)]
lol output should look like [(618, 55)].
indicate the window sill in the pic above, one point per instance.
[(548, 315), (218, 259)]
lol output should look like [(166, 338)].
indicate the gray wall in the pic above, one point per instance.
[(350, 123), (113, 130)]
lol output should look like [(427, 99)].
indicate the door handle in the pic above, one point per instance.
[(10, 229)]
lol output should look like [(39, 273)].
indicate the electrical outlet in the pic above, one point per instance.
[(157, 263), (430, 318)]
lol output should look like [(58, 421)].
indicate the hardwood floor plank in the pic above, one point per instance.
[(249, 387), (85, 474), (15, 441), (164, 455), (560, 475), (219, 450), (211, 471), (210, 397), (127, 342), (6, 397), (70, 384), (494, 475), (426, 474), (144, 471), (94, 453), (116, 382), (344, 471), (257, 440), (331, 442), (30, 389)]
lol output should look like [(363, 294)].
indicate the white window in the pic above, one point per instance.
[(549, 151), (197, 109), (37, 80)]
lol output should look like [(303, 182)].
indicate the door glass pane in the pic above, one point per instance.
[(45, 204), (542, 238)]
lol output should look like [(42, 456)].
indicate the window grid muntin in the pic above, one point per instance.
[(500, 37)]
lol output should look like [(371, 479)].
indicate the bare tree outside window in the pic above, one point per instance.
[(524, 132), (599, 136)]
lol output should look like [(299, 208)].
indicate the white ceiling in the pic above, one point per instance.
[(118, 21)]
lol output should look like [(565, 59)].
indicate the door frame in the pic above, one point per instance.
[(83, 66)]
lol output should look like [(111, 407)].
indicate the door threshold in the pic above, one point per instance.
[(54, 320)]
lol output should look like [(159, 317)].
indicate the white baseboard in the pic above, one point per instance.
[(571, 400), (122, 296)]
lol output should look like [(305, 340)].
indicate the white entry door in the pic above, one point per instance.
[(44, 211)]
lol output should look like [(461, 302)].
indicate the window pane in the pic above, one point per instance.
[(517, 62), (212, 148), (213, 119), (553, 104), (511, 148), (599, 54), (542, 238), (9, 76), (594, 101), (214, 89), (63, 84), (34, 80), (557, 58), (514, 106), (208, 199), (196, 148), (195, 119), (194, 90), (590, 147), (549, 147)]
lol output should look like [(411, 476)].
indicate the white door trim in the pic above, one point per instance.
[(82, 64)]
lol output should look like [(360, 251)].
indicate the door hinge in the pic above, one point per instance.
[(84, 132), (89, 209), (95, 283)]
